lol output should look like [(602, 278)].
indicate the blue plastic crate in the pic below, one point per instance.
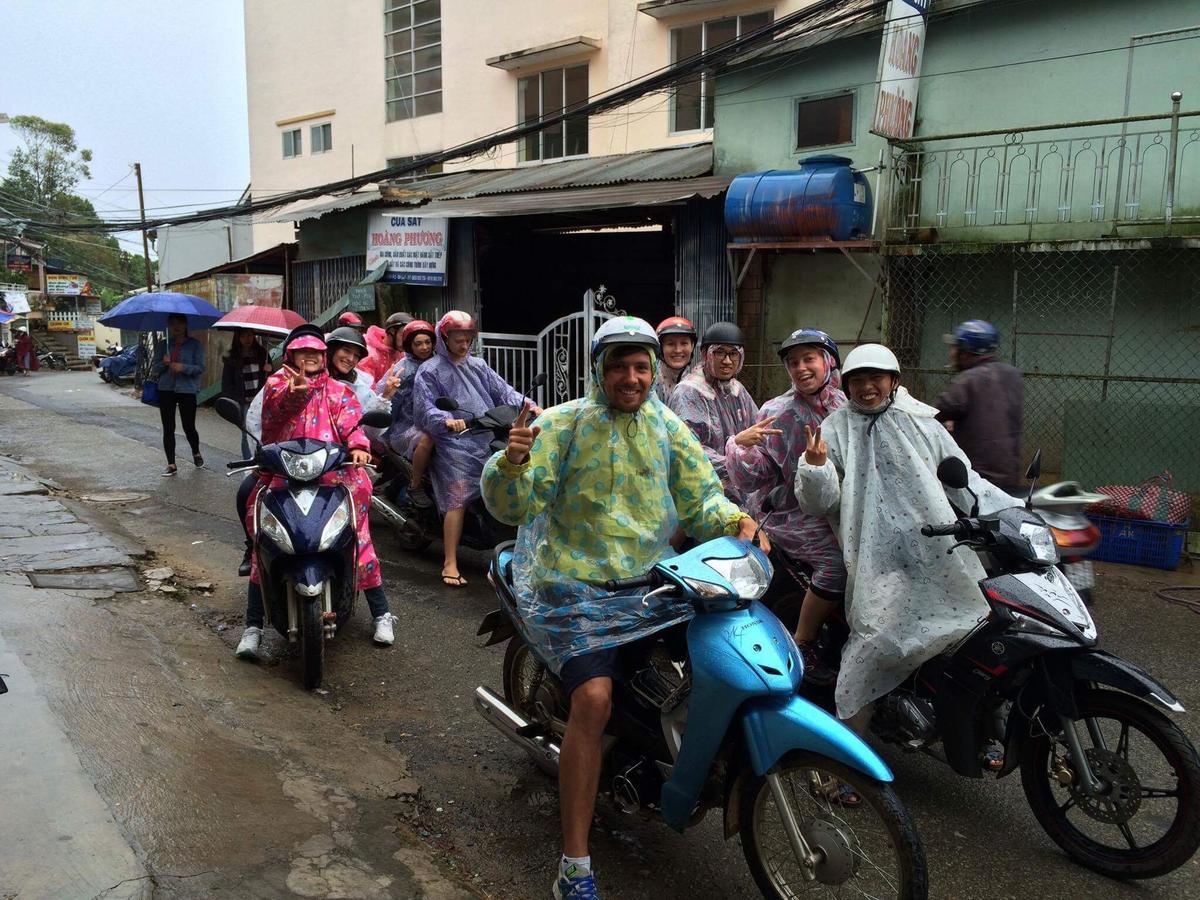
[(1140, 543)]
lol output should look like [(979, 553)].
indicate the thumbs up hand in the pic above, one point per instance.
[(521, 437)]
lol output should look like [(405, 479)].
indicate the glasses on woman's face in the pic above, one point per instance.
[(726, 352)]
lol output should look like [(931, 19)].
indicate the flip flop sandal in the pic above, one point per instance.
[(454, 581), (837, 792)]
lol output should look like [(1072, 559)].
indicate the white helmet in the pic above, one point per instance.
[(625, 330), (870, 356)]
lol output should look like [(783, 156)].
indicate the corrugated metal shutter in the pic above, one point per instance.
[(704, 285)]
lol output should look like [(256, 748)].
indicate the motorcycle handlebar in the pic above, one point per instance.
[(954, 529), (239, 463), (627, 584)]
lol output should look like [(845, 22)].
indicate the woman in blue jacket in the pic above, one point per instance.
[(178, 373)]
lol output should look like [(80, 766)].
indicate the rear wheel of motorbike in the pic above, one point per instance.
[(1146, 822), (868, 850), (412, 538), (530, 690), (312, 644)]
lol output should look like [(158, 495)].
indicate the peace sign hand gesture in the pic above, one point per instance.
[(757, 433), (521, 437), (816, 451), (298, 383)]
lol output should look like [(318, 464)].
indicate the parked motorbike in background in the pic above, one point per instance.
[(52, 360), (304, 539), (1061, 507), (121, 368), (416, 527), (707, 717), (1114, 782), (8, 360)]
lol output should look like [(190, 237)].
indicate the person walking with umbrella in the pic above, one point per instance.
[(178, 371), (244, 373)]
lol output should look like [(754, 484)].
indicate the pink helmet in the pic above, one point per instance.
[(306, 342), (456, 320)]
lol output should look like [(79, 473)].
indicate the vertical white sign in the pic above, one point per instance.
[(900, 68)]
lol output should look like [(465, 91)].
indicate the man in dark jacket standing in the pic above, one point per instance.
[(983, 405)]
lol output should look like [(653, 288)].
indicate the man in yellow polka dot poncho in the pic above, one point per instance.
[(598, 486)]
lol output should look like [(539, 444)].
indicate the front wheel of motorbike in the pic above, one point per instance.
[(1146, 820), (532, 691), (868, 850), (312, 643)]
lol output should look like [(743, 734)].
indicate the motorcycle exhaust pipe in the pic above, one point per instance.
[(512, 726), (389, 512)]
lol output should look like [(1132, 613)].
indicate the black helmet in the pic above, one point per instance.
[(805, 337), (723, 333), (397, 320), (349, 336)]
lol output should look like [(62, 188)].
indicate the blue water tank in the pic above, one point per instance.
[(823, 198)]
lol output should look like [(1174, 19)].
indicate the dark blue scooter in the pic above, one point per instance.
[(707, 716), (304, 539), (120, 369)]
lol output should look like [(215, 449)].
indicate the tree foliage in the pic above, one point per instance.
[(43, 175)]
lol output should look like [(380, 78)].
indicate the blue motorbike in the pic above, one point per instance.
[(305, 539), (707, 716), (120, 369)]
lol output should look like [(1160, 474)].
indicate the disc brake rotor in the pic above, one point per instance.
[(1122, 795), (836, 847)]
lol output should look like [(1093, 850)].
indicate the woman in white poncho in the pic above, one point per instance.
[(871, 467)]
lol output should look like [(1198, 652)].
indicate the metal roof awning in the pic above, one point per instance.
[(532, 203), (545, 53), (663, 9), (326, 203)]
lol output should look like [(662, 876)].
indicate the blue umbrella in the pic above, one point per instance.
[(148, 312)]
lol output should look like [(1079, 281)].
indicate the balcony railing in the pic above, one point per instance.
[(1135, 176)]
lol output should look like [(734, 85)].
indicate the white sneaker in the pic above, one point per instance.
[(384, 633), (247, 647)]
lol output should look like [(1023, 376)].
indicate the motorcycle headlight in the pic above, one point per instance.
[(1039, 540), (748, 576), (304, 466), (335, 526), (273, 528)]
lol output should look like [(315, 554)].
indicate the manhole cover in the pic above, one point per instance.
[(113, 497)]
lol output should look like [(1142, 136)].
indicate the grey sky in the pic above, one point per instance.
[(160, 83)]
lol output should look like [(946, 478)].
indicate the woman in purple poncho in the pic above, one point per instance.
[(460, 456)]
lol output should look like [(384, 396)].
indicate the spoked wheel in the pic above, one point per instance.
[(531, 690), (1145, 821), (869, 850), (312, 643)]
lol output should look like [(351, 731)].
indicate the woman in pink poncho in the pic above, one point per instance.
[(302, 401), (384, 349)]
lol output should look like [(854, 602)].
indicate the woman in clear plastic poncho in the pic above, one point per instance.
[(711, 400), (600, 496), (460, 454), (872, 467)]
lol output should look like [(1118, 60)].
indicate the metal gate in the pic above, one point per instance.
[(561, 350)]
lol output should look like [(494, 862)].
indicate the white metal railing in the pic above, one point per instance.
[(1126, 171), (513, 356)]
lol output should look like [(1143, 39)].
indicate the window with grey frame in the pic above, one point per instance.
[(291, 143), (546, 94), (413, 57), (825, 121), (321, 138), (693, 106)]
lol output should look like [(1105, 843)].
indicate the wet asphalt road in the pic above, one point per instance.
[(481, 807)]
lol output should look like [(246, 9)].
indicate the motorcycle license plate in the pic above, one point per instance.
[(1080, 574)]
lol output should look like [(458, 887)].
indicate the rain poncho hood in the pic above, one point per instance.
[(907, 600), (381, 355), (756, 471), (715, 411), (600, 497), (476, 388)]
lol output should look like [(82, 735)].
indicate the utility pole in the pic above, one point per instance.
[(137, 170)]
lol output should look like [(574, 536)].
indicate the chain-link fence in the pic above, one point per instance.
[(1108, 341)]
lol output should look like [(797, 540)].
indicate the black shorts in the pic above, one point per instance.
[(597, 664)]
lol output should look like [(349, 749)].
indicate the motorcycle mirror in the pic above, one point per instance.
[(376, 419), (952, 472), (540, 380), (229, 410), (446, 404), (1035, 466)]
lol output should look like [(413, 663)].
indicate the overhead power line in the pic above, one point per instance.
[(821, 15)]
